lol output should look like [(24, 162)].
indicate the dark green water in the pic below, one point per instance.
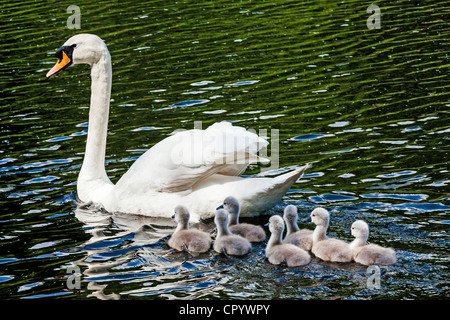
[(369, 109)]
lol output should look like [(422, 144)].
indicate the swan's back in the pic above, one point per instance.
[(327, 249), (252, 233), (331, 249), (301, 238), (194, 240), (293, 255), (232, 244), (374, 254)]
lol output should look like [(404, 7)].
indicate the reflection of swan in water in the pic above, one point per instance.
[(196, 168), (119, 240)]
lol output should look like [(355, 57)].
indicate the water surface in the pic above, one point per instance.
[(367, 108)]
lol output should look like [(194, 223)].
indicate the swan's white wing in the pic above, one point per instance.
[(178, 162)]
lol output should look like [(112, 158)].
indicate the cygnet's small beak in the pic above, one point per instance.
[(219, 207), (267, 224), (173, 217)]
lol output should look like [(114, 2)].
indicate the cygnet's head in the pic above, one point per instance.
[(290, 214), (82, 48), (276, 224), (360, 229), (320, 217), (181, 214), (231, 204), (221, 218)]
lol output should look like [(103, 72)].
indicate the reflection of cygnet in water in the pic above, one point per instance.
[(251, 232), (301, 238), (191, 240), (369, 254), (327, 249), (277, 252), (226, 242)]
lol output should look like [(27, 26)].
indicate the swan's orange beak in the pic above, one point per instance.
[(65, 61)]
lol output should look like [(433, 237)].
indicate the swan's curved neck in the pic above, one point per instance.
[(222, 230), (182, 225), (93, 169), (275, 238), (234, 219), (359, 241), (291, 227)]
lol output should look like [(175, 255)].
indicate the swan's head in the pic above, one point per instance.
[(320, 217), (181, 214), (221, 217), (360, 229), (80, 49), (231, 204), (290, 214), (276, 224)]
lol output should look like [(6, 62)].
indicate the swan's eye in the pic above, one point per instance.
[(74, 45)]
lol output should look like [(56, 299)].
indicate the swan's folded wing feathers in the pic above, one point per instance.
[(242, 161), (190, 156), (220, 148), (185, 179)]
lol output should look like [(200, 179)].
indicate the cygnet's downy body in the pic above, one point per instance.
[(301, 238), (192, 240), (226, 242), (251, 232), (327, 249), (277, 251), (369, 254)]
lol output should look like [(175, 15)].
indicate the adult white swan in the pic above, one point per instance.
[(195, 168)]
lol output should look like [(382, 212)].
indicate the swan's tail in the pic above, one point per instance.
[(289, 178), (283, 183), (271, 192)]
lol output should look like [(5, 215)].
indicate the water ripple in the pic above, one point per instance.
[(370, 116)]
